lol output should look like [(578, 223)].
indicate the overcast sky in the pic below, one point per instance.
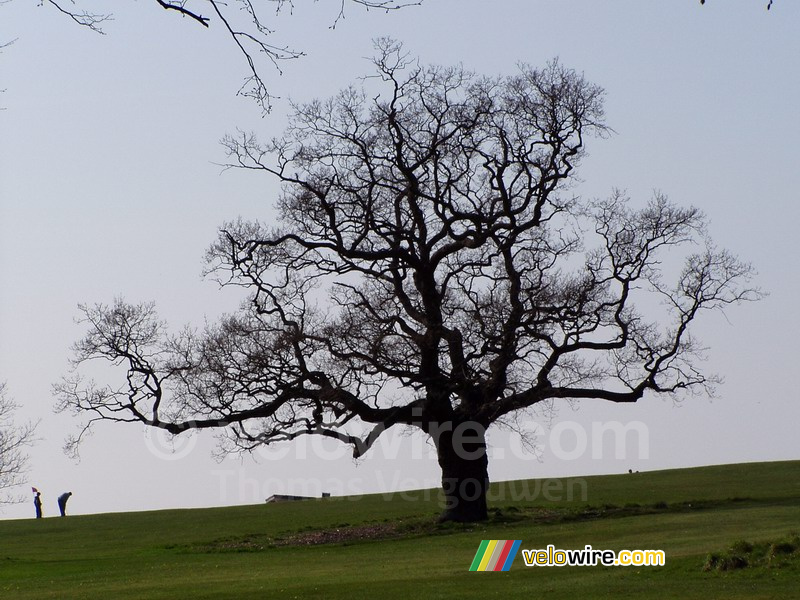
[(109, 187)]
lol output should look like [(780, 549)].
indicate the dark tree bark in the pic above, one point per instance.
[(428, 246), (461, 450)]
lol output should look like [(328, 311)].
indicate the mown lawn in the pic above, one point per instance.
[(262, 552)]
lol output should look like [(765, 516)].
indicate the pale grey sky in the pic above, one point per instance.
[(108, 188)]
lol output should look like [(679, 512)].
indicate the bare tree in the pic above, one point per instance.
[(430, 270), (246, 23), (14, 439)]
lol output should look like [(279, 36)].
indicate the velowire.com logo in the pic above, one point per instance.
[(498, 555), (495, 555)]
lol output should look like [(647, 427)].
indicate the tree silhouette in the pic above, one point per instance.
[(244, 22), (431, 269), (14, 438)]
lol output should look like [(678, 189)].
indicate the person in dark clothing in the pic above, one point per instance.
[(37, 503), (62, 503)]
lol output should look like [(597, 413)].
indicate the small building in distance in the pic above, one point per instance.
[(288, 498)]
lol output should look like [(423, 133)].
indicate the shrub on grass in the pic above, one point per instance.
[(725, 562), (741, 547), (742, 554), (781, 552)]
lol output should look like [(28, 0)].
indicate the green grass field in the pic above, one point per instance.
[(389, 546)]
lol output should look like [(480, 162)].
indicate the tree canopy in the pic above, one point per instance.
[(246, 22), (14, 438), (431, 269)]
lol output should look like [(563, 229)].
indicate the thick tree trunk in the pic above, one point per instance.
[(465, 478)]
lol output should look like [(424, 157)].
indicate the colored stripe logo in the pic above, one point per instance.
[(495, 555)]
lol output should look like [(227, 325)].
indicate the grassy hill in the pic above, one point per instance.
[(389, 545)]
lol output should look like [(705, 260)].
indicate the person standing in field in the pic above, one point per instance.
[(62, 503), (37, 503)]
